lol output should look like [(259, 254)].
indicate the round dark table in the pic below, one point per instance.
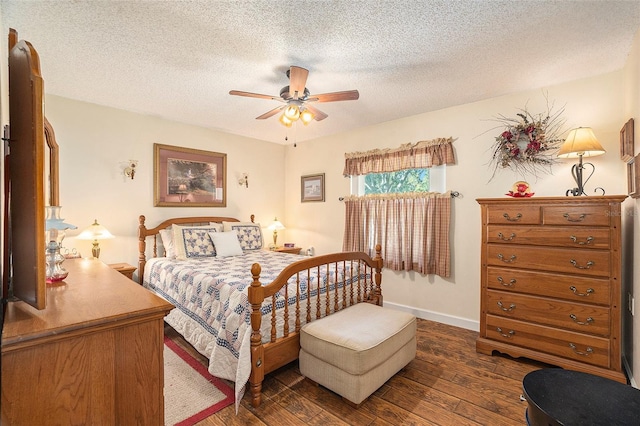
[(564, 397)]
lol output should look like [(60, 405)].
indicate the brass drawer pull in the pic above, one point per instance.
[(588, 240), (509, 309), (512, 219), (575, 319), (508, 336), (579, 219), (511, 282), (501, 237), (588, 266), (587, 293), (587, 353), (511, 259)]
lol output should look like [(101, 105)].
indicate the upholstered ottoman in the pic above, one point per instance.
[(355, 351)]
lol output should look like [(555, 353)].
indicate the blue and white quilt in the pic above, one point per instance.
[(212, 307)]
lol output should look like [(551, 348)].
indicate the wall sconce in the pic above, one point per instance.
[(130, 170), (244, 180)]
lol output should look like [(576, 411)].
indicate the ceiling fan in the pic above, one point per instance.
[(296, 99)]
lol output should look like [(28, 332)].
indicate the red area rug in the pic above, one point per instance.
[(191, 394)]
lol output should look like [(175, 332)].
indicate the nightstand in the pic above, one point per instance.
[(292, 250), (124, 268)]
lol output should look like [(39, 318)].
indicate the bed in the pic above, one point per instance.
[(244, 310)]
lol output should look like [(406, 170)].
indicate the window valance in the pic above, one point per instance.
[(421, 154)]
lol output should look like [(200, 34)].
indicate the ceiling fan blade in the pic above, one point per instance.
[(270, 113), (254, 95), (319, 115), (297, 81), (347, 95)]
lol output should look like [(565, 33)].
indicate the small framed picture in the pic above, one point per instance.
[(626, 142), (631, 179), (288, 245), (633, 173), (312, 188)]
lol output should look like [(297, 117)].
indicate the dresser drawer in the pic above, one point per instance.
[(576, 261), (590, 319), (516, 214), (568, 287), (576, 346), (564, 236), (576, 215)]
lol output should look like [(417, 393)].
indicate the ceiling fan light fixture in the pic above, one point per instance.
[(306, 116), (285, 121), (292, 112)]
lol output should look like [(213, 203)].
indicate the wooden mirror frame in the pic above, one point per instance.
[(52, 185)]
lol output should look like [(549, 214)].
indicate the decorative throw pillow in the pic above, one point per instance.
[(249, 234), (166, 235), (193, 241), (226, 243)]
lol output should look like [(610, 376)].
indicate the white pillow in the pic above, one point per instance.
[(226, 243), (193, 241), (166, 235)]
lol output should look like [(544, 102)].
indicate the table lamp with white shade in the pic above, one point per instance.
[(95, 232), (275, 226), (580, 142)]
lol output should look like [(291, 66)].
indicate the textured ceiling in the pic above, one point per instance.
[(179, 59)]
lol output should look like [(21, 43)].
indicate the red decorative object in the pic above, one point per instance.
[(520, 189)]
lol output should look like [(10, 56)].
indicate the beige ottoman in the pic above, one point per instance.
[(355, 351)]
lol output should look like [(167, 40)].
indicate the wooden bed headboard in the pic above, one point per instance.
[(144, 232)]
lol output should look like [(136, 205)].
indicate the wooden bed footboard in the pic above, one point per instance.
[(364, 276)]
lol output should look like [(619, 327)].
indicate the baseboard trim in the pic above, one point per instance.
[(627, 369), (436, 316)]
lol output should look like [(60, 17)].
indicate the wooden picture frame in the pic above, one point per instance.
[(185, 177), (632, 188), (633, 177), (312, 188), (626, 142)]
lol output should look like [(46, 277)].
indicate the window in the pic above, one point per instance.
[(412, 180), (398, 200)]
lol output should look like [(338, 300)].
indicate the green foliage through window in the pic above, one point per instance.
[(412, 180)]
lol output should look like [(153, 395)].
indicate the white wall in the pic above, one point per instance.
[(95, 144), (631, 284), (594, 102)]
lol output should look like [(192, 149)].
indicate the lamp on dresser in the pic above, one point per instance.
[(95, 232), (580, 142)]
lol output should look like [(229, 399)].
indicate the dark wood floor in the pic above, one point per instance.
[(447, 384)]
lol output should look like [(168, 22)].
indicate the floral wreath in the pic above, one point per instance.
[(527, 143)]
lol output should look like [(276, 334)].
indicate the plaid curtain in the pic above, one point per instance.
[(420, 155), (412, 228)]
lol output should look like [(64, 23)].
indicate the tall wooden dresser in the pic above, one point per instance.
[(94, 356), (551, 270)]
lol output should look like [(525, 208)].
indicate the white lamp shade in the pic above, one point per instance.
[(95, 232), (580, 142), (275, 225)]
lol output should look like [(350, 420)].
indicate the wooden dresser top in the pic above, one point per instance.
[(93, 295)]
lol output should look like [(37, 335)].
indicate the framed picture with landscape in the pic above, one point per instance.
[(185, 177), (312, 188)]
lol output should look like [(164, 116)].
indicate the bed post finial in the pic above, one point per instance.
[(378, 275), (256, 297), (253, 218)]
